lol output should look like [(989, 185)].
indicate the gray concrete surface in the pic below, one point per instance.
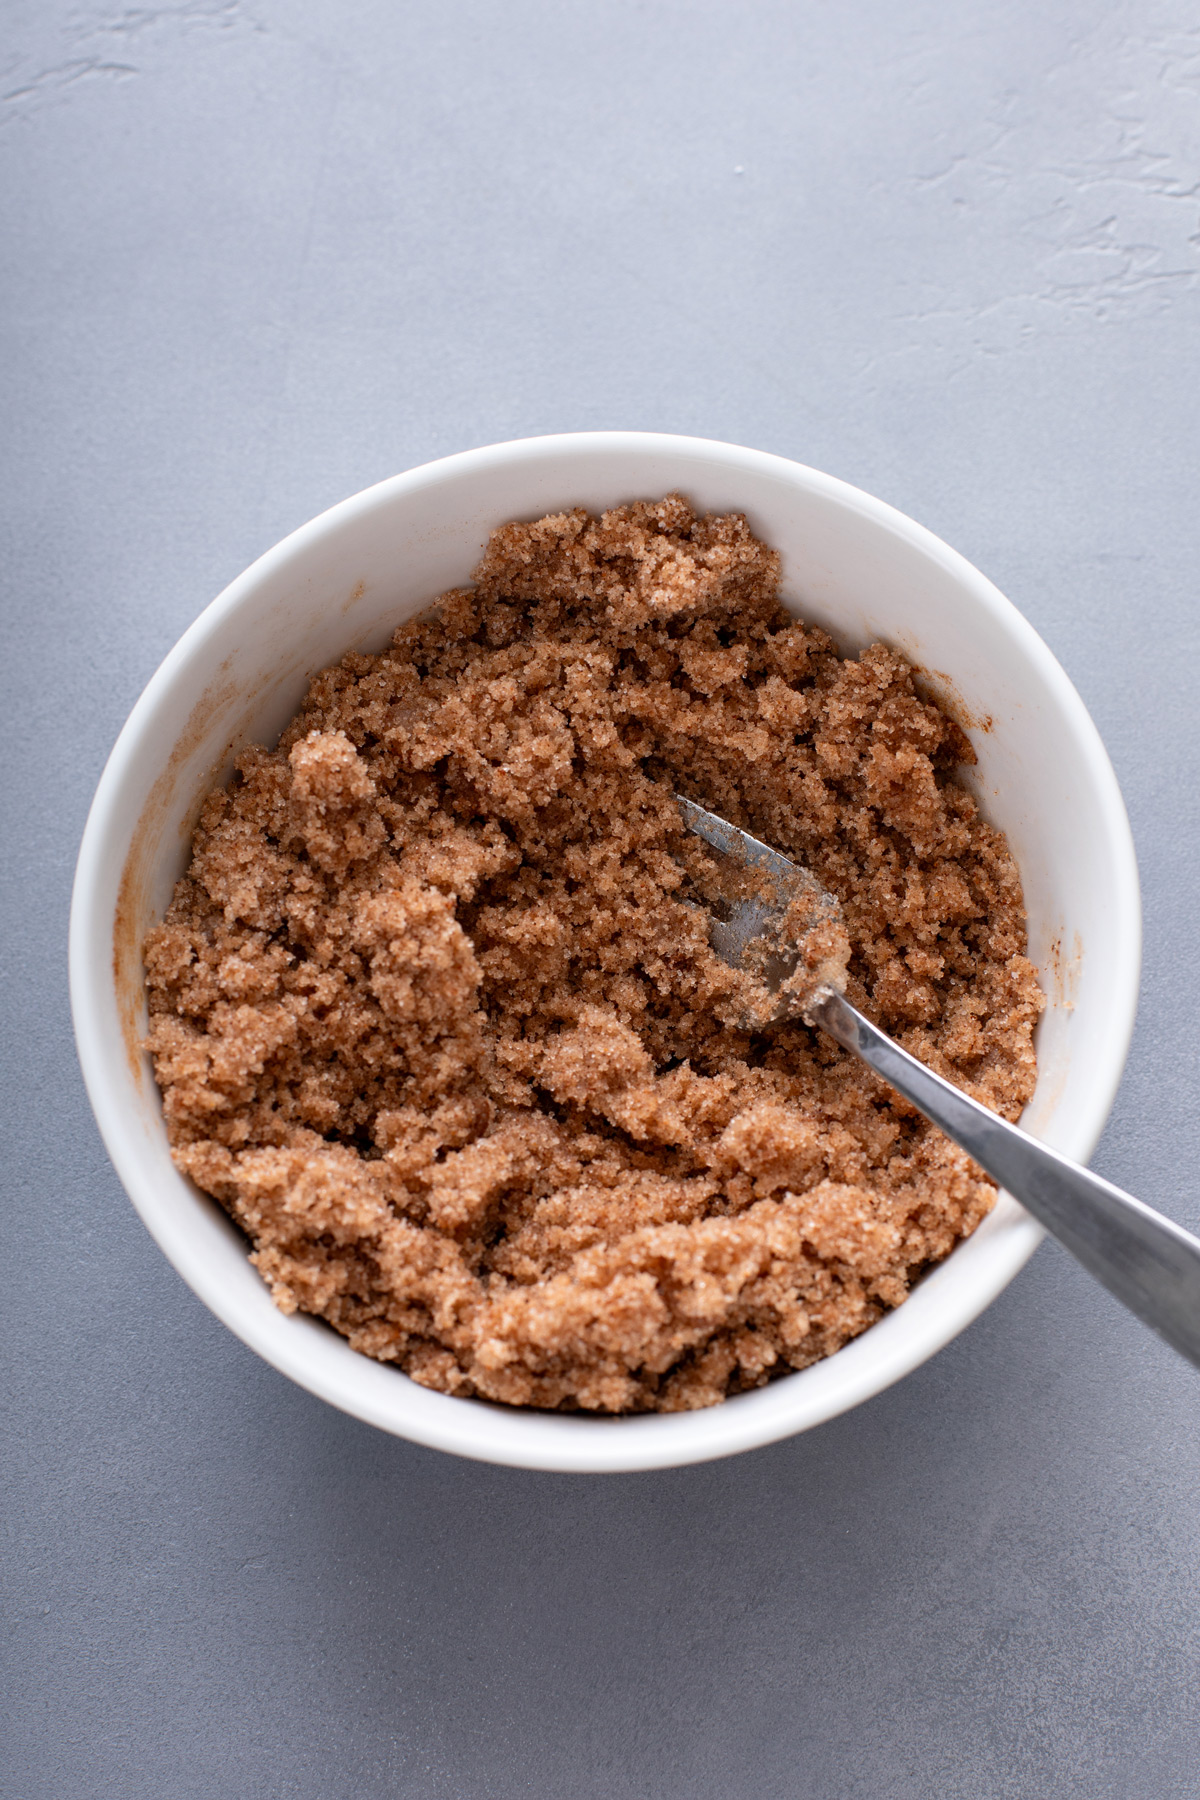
[(260, 253)]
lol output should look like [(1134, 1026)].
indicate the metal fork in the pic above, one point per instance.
[(1151, 1264)]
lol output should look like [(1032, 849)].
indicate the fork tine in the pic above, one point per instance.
[(732, 841)]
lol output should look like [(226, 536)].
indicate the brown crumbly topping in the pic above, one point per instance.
[(435, 1016)]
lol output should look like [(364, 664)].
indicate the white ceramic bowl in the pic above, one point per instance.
[(345, 581)]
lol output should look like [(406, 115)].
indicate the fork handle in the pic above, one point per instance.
[(1149, 1263)]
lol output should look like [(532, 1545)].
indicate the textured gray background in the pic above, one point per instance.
[(259, 255)]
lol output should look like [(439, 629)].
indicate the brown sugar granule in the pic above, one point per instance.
[(435, 1016)]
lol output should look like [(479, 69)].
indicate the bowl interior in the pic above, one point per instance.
[(344, 582)]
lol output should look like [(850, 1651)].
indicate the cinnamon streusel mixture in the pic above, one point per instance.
[(435, 1016)]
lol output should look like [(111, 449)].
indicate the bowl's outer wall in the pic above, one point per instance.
[(344, 582)]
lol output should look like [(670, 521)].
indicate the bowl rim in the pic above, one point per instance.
[(515, 1437)]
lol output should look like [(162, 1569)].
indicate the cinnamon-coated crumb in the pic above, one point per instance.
[(435, 1016)]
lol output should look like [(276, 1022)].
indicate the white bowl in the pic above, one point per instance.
[(344, 582)]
